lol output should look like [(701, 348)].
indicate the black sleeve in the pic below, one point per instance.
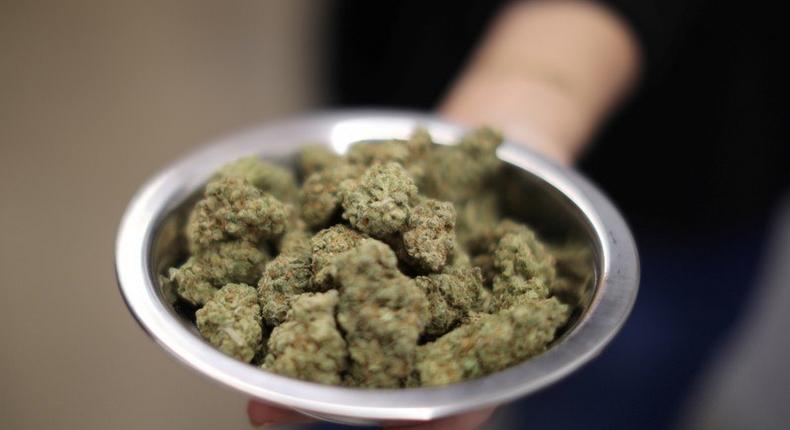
[(660, 27)]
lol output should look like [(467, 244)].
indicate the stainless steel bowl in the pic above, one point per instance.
[(556, 200)]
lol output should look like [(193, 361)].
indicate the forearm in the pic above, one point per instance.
[(547, 74)]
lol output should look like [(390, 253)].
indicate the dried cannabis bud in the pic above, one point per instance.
[(452, 296), (288, 275), (574, 273), (460, 172), (481, 144), (233, 208), (430, 237), (315, 158), (475, 216), (524, 268), (373, 152), (419, 283), (268, 177), (199, 278), (319, 198), (382, 313), (328, 244), (284, 277), (411, 154), (419, 144), (308, 344), (491, 342), (379, 202), (296, 241), (231, 321)]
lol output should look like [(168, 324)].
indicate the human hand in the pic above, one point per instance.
[(261, 414), (547, 74)]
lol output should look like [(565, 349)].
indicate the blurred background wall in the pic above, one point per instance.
[(94, 97)]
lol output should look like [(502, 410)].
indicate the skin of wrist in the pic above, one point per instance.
[(546, 74), (535, 112)]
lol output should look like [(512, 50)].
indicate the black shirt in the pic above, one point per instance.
[(701, 145)]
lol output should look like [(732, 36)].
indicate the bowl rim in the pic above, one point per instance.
[(618, 277)]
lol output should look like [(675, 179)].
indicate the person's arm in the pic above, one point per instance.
[(547, 74)]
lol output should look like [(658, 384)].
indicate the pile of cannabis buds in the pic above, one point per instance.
[(390, 267)]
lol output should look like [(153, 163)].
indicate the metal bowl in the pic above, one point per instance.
[(557, 201)]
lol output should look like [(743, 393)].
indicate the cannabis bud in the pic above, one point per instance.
[(391, 266)]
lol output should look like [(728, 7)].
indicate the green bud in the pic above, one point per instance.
[(320, 198), (430, 236), (382, 313), (284, 277), (328, 244), (198, 279), (308, 344), (234, 209), (316, 158), (489, 343), (425, 256), (379, 202), (268, 177), (452, 296), (231, 321), (523, 267), (370, 153), (458, 173)]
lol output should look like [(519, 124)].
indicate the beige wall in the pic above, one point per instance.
[(93, 99)]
